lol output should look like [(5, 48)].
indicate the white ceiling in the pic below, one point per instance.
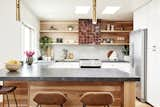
[(64, 9)]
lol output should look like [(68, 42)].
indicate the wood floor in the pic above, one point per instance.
[(139, 104)]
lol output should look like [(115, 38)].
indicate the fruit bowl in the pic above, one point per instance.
[(13, 66)]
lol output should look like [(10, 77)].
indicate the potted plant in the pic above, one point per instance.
[(29, 55), (45, 44), (125, 52)]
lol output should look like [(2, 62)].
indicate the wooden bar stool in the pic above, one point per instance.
[(5, 90), (50, 98), (97, 99)]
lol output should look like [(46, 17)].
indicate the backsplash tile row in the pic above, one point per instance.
[(86, 51)]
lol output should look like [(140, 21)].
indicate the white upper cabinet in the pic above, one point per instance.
[(149, 17)]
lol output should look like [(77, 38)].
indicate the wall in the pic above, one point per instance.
[(86, 51), (10, 42), (29, 18), (149, 17), (10, 29)]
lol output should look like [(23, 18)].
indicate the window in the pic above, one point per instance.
[(28, 39)]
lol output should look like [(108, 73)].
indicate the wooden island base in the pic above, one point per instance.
[(123, 92)]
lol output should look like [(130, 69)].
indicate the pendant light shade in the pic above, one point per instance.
[(94, 14), (18, 10)]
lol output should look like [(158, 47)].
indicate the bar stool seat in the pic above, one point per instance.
[(97, 99), (50, 98), (5, 90)]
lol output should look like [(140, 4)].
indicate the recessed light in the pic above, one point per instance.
[(110, 9), (82, 9)]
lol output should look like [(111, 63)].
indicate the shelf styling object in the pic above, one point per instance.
[(108, 27), (112, 27), (45, 43), (125, 51), (52, 28), (109, 54), (29, 55), (70, 28)]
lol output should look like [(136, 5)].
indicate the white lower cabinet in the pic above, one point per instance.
[(153, 78), (65, 65), (123, 66)]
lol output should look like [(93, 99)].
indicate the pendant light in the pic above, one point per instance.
[(94, 15), (18, 10)]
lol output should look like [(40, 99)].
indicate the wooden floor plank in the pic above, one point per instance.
[(139, 104)]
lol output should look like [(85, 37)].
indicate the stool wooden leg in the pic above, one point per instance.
[(7, 100), (61, 105), (84, 105), (37, 105), (15, 99)]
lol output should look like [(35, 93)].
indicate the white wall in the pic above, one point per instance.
[(149, 17), (29, 18), (10, 29), (10, 38)]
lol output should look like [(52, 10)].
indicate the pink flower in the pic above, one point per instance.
[(29, 53)]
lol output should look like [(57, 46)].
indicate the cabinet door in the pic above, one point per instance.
[(153, 24), (65, 65), (153, 77), (121, 66), (89, 33)]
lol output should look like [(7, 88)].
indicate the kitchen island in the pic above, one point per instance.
[(72, 82)]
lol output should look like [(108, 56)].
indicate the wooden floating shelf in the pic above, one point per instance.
[(103, 31), (57, 31), (115, 44), (62, 43), (115, 31), (109, 44)]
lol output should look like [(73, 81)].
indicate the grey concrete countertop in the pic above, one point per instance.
[(38, 72)]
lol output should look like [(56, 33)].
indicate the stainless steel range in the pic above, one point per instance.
[(90, 63)]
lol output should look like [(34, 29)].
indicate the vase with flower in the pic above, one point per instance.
[(29, 55)]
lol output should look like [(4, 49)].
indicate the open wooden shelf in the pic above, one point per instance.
[(57, 31), (115, 44), (62, 43), (109, 44), (115, 31)]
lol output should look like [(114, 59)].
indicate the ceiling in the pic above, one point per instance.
[(64, 9)]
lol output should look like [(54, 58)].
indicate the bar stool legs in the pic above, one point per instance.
[(84, 105), (14, 99), (38, 105), (7, 100)]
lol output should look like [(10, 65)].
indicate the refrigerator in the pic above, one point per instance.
[(145, 62), (138, 53)]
